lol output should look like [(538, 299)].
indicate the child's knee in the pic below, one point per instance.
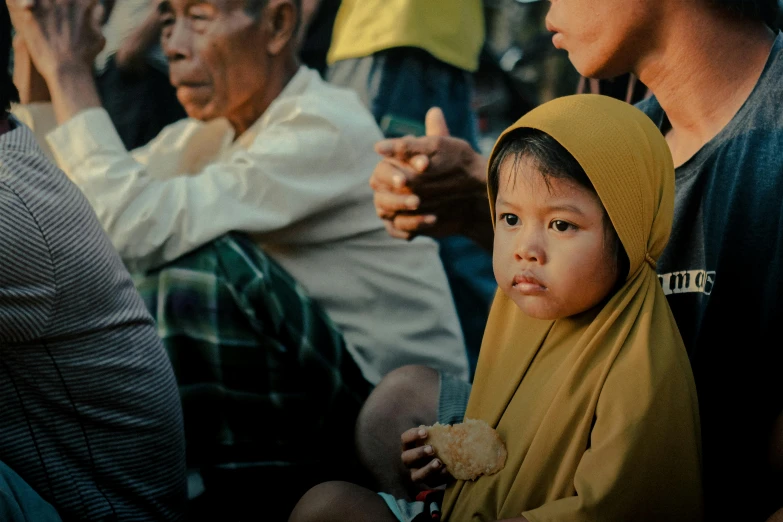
[(320, 503), (410, 390)]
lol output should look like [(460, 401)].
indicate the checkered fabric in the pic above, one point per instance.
[(261, 368)]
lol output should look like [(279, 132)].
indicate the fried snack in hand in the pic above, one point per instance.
[(468, 450)]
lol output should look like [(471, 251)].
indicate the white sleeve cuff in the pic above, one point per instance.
[(88, 133)]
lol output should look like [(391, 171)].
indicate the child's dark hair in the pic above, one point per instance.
[(552, 160)]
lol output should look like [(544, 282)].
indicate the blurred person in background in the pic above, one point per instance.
[(91, 417), (715, 69), (402, 57), (130, 68), (315, 32), (132, 72)]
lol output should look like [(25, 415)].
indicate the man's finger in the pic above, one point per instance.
[(21, 4), (98, 17), (391, 174), (420, 162), (413, 435), (412, 457), (388, 205), (414, 224), (422, 474), (395, 233), (405, 148), (435, 123)]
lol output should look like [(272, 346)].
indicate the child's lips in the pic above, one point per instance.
[(527, 284)]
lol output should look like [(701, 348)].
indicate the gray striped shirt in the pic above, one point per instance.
[(90, 414)]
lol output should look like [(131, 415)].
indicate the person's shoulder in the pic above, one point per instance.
[(774, 67), (23, 234), (23, 161), (314, 98), (762, 112)]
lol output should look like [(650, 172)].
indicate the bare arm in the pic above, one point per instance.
[(73, 91), (130, 55), (309, 8), (63, 38), (28, 81)]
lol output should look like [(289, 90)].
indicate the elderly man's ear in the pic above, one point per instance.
[(281, 20)]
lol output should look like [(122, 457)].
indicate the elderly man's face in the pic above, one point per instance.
[(217, 56)]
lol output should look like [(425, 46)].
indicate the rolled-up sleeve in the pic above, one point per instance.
[(151, 219)]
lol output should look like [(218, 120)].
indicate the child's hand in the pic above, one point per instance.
[(426, 469)]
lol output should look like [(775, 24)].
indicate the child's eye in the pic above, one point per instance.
[(562, 226), (510, 219)]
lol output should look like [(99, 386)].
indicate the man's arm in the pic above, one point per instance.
[(130, 56), (62, 38), (154, 216), (28, 81), (309, 9)]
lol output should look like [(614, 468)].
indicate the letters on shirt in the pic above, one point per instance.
[(687, 281)]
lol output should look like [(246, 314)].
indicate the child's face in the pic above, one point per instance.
[(552, 256)]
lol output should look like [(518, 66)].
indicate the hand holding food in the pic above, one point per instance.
[(468, 450)]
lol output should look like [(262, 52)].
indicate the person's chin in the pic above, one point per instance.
[(197, 107), (200, 112), (534, 307), (589, 67), (585, 68)]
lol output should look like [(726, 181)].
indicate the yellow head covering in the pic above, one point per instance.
[(598, 411)]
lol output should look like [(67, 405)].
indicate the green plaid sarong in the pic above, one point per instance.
[(263, 372)]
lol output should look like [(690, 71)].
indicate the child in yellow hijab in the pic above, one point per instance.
[(582, 371)]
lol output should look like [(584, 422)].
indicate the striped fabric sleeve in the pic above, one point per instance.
[(27, 283)]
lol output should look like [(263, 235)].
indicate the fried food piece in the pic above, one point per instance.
[(468, 450)]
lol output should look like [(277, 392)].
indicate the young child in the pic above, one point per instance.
[(582, 371)]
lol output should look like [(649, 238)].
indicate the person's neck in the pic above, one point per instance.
[(703, 73), (279, 75)]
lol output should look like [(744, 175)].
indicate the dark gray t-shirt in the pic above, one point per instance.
[(721, 272), (90, 414)]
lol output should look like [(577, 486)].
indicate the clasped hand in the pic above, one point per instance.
[(60, 36)]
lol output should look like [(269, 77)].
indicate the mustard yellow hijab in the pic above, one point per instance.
[(598, 411)]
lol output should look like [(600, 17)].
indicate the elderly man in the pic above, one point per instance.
[(273, 152), (715, 68)]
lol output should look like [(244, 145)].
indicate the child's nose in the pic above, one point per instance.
[(530, 248)]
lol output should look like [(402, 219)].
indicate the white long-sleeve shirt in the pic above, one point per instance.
[(297, 182)]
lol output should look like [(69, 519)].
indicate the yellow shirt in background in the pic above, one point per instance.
[(450, 30)]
